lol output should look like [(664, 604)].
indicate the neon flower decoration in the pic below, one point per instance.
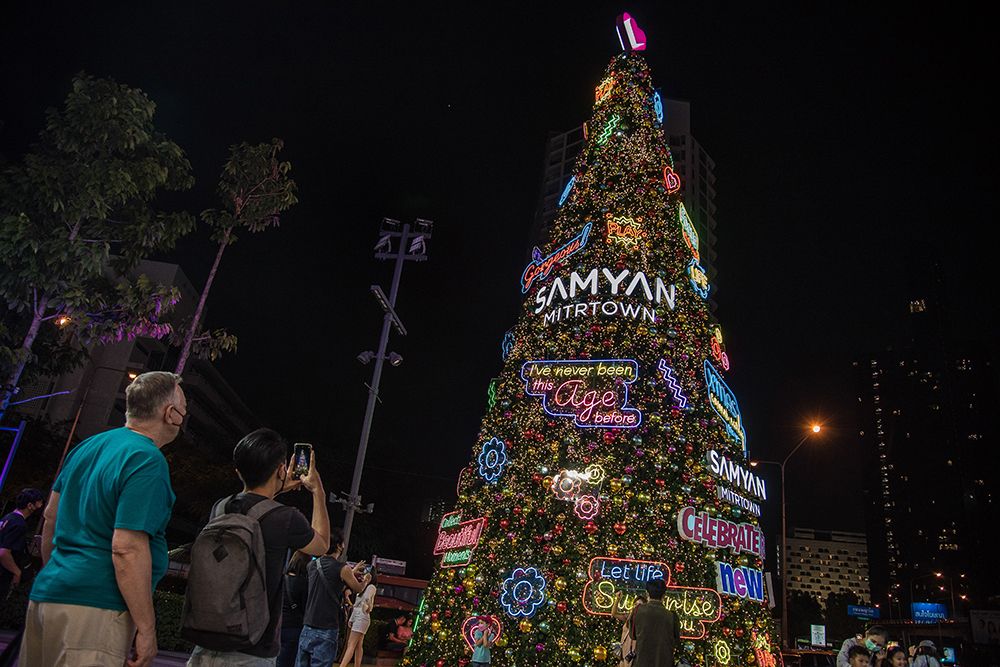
[(630, 35), (565, 192), (507, 345), (724, 403), (523, 592), (688, 231), (608, 129), (719, 348), (586, 507), (595, 474), (471, 623), (658, 106), (698, 278), (680, 401), (540, 267), (492, 459), (671, 180)]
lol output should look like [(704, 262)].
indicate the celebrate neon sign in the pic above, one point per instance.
[(608, 577), (594, 392), (719, 533), (540, 267)]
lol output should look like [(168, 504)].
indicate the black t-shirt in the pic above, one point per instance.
[(283, 529), (293, 606), (390, 629), (13, 529), (323, 610)]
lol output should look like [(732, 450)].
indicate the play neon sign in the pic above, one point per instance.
[(625, 231), (604, 89), (607, 577), (724, 403), (540, 267), (457, 539), (594, 392)]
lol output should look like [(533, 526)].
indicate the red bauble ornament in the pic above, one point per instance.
[(620, 528), (678, 567), (434, 616), (504, 523), (440, 663), (557, 529), (561, 607), (590, 527), (536, 478), (447, 613), (739, 632)]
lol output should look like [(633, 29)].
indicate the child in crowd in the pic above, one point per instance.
[(482, 637), (858, 656)]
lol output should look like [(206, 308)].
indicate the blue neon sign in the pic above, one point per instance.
[(724, 403), (658, 106), (569, 186)]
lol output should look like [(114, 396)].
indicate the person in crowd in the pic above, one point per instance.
[(391, 639), (858, 656), (894, 657), (361, 618), (627, 649), (293, 607), (925, 655), (13, 542), (482, 640), (405, 631), (324, 617), (655, 629), (103, 541), (874, 640), (261, 463)]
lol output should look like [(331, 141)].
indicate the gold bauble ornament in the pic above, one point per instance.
[(560, 584), (600, 653), (435, 625), (525, 626), (574, 654)]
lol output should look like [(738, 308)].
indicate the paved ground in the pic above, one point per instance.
[(163, 659)]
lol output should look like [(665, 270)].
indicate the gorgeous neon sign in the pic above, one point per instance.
[(688, 231), (724, 403), (672, 181), (594, 391), (625, 231), (680, 401), (742, 582), (629, 30), (658, 106), (719, 533), (719, 348), (492, 459), (696, 607), (609, 127), (604, 89), (523, 592), (566, 191), (492, 623), (698, 278), (457, 539), (540, 267)]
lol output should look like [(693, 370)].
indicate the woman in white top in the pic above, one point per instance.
[(359, 622)]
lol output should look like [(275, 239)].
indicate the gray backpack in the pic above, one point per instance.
[(226, 606)]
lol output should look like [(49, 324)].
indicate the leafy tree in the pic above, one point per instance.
[(255, 188), (840, 626), (77, 215), (803, 610)]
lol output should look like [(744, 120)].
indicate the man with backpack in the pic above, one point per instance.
[(232, 609), (13, 542), (324, 616), (104, 544)]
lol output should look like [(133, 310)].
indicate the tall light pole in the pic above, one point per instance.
[(410, 244), (813, 430)]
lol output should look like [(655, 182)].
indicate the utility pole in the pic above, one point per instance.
[(409, 245)]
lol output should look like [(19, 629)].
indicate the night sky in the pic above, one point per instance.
[(846, 139)]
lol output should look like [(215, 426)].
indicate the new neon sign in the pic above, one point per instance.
[(742, 582), (594, 391), (724, 403), (688, 231), (540, 267), (607, 577)]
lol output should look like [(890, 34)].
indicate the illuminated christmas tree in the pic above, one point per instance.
[(612, 451)]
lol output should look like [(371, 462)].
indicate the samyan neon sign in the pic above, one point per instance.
[(594, 391), (724, 403), (540, 267), (696, 607)]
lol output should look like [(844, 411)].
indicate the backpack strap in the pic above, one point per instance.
[(219, 508), (262, 509)]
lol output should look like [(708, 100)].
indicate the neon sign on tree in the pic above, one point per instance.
[(591, 473)]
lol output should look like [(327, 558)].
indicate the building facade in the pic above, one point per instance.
[(821, 562), (691, 162), (928, 407)]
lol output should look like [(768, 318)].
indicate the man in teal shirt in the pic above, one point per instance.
[(103, 542)]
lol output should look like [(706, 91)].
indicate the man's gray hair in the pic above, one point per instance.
[(146, 394)]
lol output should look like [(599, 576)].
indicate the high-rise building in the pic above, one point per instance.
[(820, 562), (691, 162), (928, 408)]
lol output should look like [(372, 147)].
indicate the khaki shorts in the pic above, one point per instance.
[(69, 635)]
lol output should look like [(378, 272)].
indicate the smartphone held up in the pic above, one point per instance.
[(302, 457)]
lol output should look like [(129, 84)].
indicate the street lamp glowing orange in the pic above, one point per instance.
[(816, 428), (63, 320)]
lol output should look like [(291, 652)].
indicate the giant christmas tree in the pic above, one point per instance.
[(612, 451)]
